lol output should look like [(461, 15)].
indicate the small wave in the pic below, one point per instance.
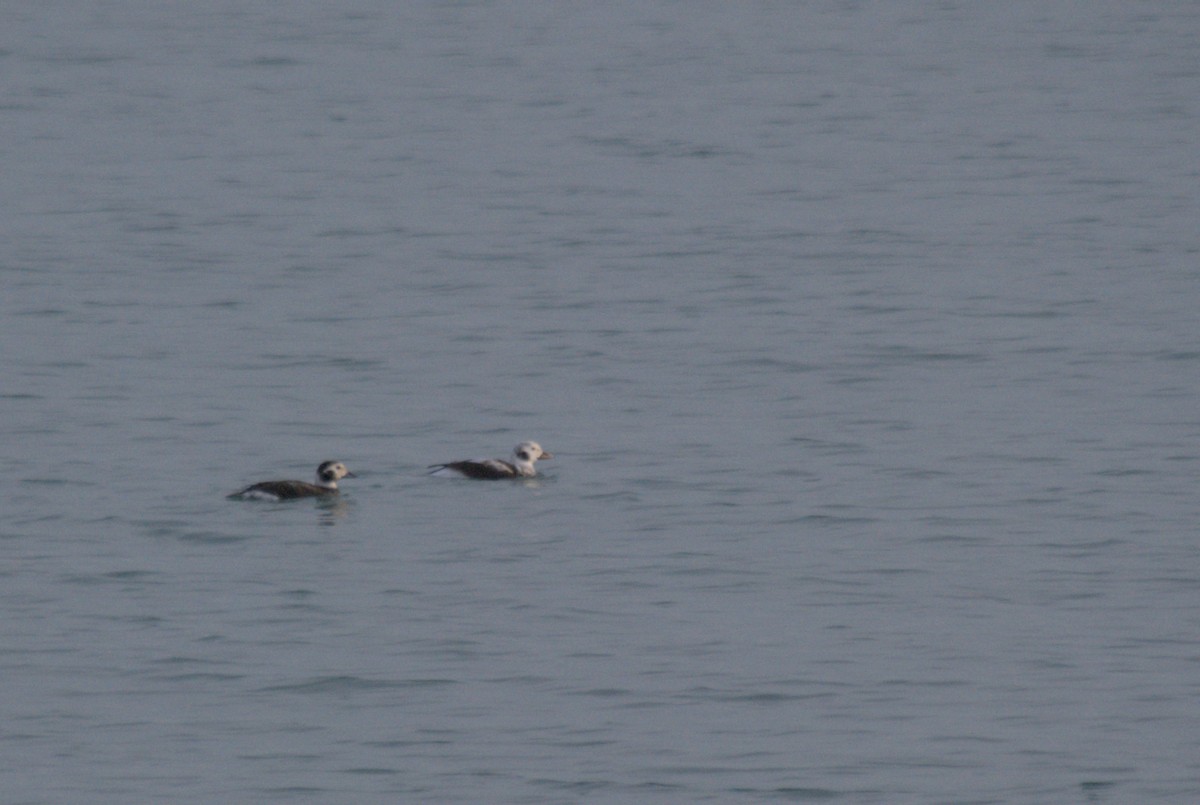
[(345, 683)]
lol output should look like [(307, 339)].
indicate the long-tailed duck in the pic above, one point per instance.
[(521, 465), (328, 475)]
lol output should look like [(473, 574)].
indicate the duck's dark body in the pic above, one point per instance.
[(284, 490), (490, 470), (328, 474)]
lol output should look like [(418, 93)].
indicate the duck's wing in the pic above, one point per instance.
[(281, 490), (486, 469)]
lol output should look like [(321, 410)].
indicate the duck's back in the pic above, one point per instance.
[(282, 490), (486, 469)]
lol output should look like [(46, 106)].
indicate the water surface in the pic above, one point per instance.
[(863, 336)]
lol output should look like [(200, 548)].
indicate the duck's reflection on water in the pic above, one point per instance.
[(332, 509)]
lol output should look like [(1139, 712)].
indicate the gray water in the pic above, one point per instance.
[(864, 335)]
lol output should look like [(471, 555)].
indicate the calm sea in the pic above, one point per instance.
[(864, 335)]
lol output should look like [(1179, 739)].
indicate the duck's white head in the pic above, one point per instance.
[(330, 472), (525, 454)]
